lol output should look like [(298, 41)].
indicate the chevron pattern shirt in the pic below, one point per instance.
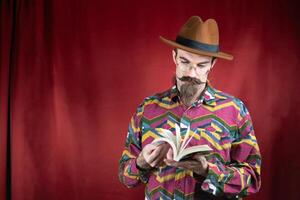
[(216, 119)]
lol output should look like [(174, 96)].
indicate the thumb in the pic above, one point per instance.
[(170, 154), (199, 157)]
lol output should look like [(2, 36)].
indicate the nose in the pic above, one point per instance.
[(191, 71)]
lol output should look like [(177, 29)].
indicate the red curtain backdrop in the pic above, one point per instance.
[(73, 72)]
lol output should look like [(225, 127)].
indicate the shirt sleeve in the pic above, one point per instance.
[(129, 174), (242, 176)]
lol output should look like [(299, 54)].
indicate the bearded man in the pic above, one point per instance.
[(232, 169)]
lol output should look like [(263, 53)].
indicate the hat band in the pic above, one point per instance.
[(197, 45)]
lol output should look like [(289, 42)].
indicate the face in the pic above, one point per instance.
[(191, 71)]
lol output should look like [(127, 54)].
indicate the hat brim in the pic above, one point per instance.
[(196, 51)]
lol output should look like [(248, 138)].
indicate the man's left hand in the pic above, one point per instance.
[(197, 163)]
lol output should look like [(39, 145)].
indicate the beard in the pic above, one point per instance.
[(188, 91), (189, 88)]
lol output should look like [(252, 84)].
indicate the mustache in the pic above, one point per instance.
[(191, 80)]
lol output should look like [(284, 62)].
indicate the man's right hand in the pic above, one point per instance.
[(152, 155)]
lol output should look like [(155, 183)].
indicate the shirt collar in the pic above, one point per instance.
[(208, 96)]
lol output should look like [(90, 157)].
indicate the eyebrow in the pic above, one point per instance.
[(204, 62), (183, 58), (200, 63)]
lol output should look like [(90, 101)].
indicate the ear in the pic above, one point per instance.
[(174, 56), (213, 64)]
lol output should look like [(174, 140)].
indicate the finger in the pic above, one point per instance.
[(196, 165), (158, 143), (199, 154), (148, 150), (199, 157), (169, 162), (157, 162), (183, 164), (153, 155), (189, 164), (157, 154), (150, 147), (170, 154), (163, 150)]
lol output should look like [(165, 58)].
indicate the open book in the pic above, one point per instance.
[(180, 149)]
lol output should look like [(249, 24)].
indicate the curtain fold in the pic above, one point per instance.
[(7, 33)]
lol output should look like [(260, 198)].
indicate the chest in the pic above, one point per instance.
[(214, 127)]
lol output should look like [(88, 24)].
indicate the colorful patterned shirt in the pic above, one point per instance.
[(216, 119)]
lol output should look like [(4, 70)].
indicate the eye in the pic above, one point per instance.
[(200, 66), (184, 61)]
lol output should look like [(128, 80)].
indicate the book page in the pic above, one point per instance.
[(186, 140), (191, 150), (160, 140), (178, 137), (167, 134)]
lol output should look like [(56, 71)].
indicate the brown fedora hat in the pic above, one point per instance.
[(199, 37)]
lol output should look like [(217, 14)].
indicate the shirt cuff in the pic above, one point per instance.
[(199, 178), (143, 174), (212, 174)]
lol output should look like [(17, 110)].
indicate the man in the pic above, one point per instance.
[(232, 169)]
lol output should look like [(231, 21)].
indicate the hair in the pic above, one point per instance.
[(212, 60)]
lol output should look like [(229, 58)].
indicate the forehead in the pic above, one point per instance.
[(192, 57)]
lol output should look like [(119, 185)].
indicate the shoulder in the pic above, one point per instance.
[(223, 97), (158, 97), (155, 99)]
